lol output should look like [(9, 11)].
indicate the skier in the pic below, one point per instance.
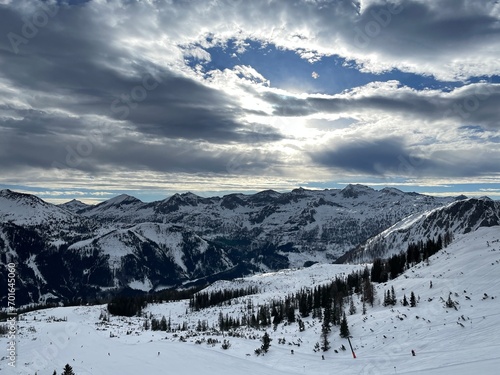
[(413, 352)]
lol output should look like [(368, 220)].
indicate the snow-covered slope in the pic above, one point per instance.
[(26, 209), (74, 205), (122, 208), (456, 218), (53, 224), (151, 255), (457, 341), (307, 225)]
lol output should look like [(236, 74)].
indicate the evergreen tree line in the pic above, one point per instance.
[(204, 300), (324, 302), (161, 324), (388, 269), (391, 300), (327, 303), (133, 305), (28, 308)]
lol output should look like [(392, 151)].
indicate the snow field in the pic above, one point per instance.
[(446, 340)]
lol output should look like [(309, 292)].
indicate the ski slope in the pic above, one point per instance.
[(446, 341)]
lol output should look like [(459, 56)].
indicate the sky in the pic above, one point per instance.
[(150, 98)]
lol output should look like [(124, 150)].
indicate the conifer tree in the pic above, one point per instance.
[(302, 326), (393, 296), (68, 370), (352, 308), (344, 327), (266, 342), (377, 271), (325, 328), (325, 344), (163, 323), (368, 292), (221, 321), (387, 298), (413, 301), (405, 301)]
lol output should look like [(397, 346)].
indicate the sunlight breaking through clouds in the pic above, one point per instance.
[(224, 96)]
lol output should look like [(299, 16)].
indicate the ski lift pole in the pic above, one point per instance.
[(352, 350)]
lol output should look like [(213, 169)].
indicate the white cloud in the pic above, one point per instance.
[(455, 40)]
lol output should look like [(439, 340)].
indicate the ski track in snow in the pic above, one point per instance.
[(468, 267)]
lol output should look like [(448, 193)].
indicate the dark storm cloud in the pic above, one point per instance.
[(186, 156), (36, 139), (476, 104), (374, 157), (71, 63), (20, 151), (418, 31), (391, 156), (395, 102), (182, 108)]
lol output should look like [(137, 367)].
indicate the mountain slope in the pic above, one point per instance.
[(74, 205), (152, 255), (446, 340), (306, 225), (457, 218), (26, 209), (186, 239), (55, 224), (122, 207)]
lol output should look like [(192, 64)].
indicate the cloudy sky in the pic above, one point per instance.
[(155, 97)]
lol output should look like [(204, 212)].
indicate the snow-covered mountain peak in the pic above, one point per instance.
[(456, 218), (115, 209), (189, 195), (485, 198), (5, 192), (14, 195), (391, 190), (74, 205), (121, 199), (263, 198), (28, 209), (356, 190)]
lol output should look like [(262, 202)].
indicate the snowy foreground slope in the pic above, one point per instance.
[(446, 341)]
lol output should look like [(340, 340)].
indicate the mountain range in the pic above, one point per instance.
[(75, 252)]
